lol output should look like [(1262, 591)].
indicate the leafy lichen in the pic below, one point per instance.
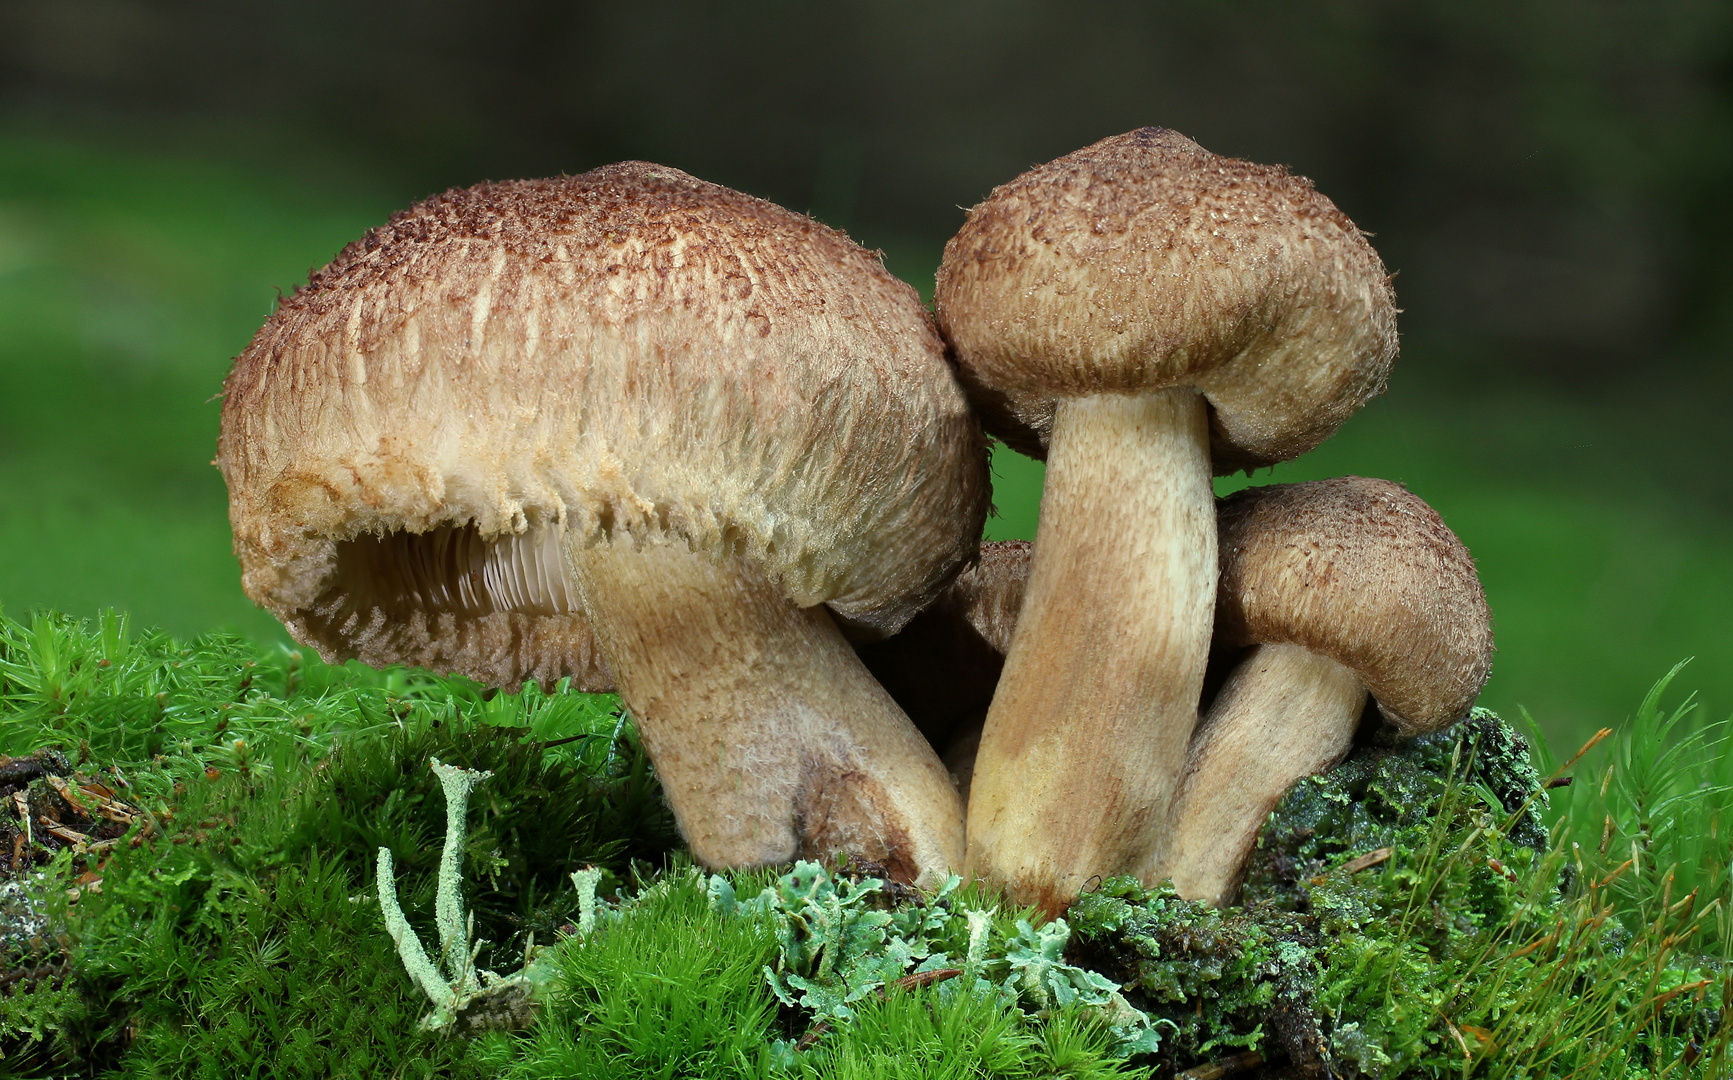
[(846, 939)]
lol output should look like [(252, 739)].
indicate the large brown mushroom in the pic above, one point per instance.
[(1143, 313), (1340, 588), (706, 430)]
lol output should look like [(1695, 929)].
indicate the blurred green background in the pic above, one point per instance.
[(1550, 181)]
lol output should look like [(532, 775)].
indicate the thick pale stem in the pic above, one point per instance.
[(1285, 713), (770, 738), (1086, 737)]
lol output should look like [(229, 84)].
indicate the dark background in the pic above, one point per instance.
[(1549, 180)]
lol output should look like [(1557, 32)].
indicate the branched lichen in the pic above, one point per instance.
[(415, 960), (454, 930), (463, 999)]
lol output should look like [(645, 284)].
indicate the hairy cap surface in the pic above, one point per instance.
[(627, 356), (1364, 572), (1144, 261)]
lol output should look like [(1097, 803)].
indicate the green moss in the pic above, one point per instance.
[(668, 987), (41, 1006), (927, 1033), (268, 782), (1406, 914), (299, 968), (1388, 797), (1210, 978), (1405, 918)]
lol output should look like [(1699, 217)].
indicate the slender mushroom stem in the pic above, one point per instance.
[(772, 740), (1086, 737), (1285, 713)]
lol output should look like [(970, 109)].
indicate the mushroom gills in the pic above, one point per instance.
[(454, 569)]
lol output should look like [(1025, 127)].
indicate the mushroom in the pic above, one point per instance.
[(942, 667), (1340, 587), (1143, 313), (709, 432)]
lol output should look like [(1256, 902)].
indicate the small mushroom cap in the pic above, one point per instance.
[(1144, 261), (987, 596), (627, 356), (943, 666), (1367, 574)]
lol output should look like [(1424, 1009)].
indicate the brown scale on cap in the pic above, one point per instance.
[(538, 400), (1364, 572), (1143, 313), (1343, 587)]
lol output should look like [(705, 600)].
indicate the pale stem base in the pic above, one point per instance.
[(770, 738), (1086, 737), (1285, 713)]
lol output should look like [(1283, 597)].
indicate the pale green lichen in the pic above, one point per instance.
[(586, 881), (464, 999), (843, 940), (415, 960)]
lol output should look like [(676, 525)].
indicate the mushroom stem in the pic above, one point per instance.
[(771, 739), (1285, 713), (1086, 737)]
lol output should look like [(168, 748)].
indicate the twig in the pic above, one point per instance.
[(71, 836), (67, 792), (921, 978), (570, 739), (813, 1034), (1214, 1070), (24, 815), (1363, 862)]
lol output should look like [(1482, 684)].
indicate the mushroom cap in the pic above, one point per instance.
[(987, 596), (1367, 574), (943, 666), (1144, 261), (627, 356)]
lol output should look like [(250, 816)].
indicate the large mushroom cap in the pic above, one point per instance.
[(632, 355), (1145, 261), (1365, 573)]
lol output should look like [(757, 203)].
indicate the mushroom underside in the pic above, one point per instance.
[(771, 738), (454, 569)]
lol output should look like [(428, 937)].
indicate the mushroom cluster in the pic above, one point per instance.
[(653, 435), (643, 431), (1143, 314)]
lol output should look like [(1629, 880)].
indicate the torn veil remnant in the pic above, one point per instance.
[(1143, 313), (631, 415), (1339, 587)]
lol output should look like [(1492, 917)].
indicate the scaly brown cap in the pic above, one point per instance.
[(986, 597), (1365, 573), (942, 667), (1145, 261), (631, 355)]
